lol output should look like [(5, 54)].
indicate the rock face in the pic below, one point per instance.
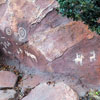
[(30, 82), (32, 32), (49, 92)]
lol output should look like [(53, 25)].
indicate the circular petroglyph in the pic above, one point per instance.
[(22, 33), (8, 31)]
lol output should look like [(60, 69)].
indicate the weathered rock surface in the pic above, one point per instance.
[(7, 79), (30, 82), (34, 34), (2, 1), (7, 94), (81, 61), (49, 92)]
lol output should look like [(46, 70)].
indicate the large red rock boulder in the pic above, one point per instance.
[(49, 92), (32, 32)]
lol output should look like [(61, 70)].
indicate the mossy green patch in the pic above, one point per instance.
[(87, 11)]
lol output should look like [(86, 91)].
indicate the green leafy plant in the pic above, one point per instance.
[(94, 94), (87, 11)]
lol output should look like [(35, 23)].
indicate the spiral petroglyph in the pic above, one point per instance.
[(22, 33), (8, 31)]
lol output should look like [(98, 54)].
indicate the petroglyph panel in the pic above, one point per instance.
[(80, 58)]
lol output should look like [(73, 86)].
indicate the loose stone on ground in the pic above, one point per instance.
[(7, 79), (7, 94), (59, 91), (31, 81)]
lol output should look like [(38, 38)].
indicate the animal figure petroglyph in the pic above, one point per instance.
[(79, 59), (31, 55), (93, 57)]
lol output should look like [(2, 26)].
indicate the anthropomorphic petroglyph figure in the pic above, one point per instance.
[(79, 59), (93, 57), (19, 50)]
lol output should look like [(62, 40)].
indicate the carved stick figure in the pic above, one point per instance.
[(93, 57), (79, 59)]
